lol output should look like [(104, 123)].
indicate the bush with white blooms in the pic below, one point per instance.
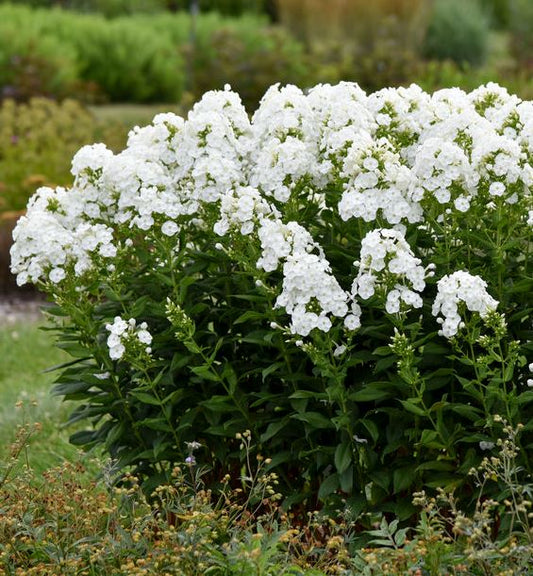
[(347, 276)]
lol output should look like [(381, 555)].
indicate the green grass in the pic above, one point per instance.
[(26, 352)]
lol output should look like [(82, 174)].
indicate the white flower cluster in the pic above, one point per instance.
[(341, 115), (307, 280), (376, 181), (242, 208), (443, 172), (53, 237), (388, 264), (454, 289), (285, 147), (124, 335), (387, 160), (309, 292)]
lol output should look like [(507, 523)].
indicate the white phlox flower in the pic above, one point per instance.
[(310, 293), (388, 264), (54, 236), (443, 173), (127, 336), (460, 288), (495, 104), (500, 164), (279, 241), (158, 142), (242, 208), (213, 146), (377, 183), (341, 114), (89, 162), (285, 144), (400, 114)]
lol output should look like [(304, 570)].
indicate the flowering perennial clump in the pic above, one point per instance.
[(266, 262), (173, 171)]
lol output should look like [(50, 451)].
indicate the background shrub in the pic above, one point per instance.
[(458, 31), (250, 67), (139, 58), (37, 140), (499, 12), (114, 8), (32, 61), (521, 25), (372, 43)]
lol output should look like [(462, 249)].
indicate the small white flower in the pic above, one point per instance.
[(169, 228), (339, 351)]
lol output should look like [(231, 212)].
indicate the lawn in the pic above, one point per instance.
[(26, 352)]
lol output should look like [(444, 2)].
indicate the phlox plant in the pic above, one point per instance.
[(345, 275)]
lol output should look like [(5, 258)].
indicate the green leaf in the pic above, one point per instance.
[(192, 346), (410, 406), (145, 398), (155, 424), (343, 457), (299, 394), (265, 373), (508, 373), (314, 419), (249, 315), (384, 364), (403, 478), (83, 438), (437, 465), (328, 486), (206, 373), (70, 388), (346, 480), (228, 374), (429, 439), (219, 404), (525, 397), (370, 393), (273, 428), (470, 412)]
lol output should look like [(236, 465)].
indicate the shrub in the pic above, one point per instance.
[(458, 30), (32, 63), (372, 43), (126, 58), (249, 67), (138, 58), (114, 8), (36, 141), (346, 276), (521, 22), (499, 12)]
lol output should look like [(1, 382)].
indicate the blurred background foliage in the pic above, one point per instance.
[(78, 71)]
